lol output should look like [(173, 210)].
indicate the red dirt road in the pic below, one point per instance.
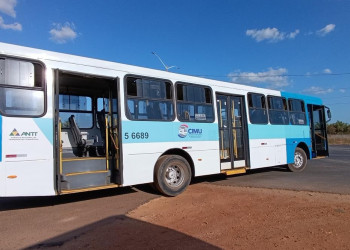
[(210, 216)]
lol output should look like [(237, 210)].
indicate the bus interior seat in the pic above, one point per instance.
[(81, 143)]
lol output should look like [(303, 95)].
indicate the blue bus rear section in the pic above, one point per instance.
[(305, 98), (293, 141), (292, 144), (293, 135)]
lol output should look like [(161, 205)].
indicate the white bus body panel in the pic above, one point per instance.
[(267, 152), (34, 178), (27, 157), (139, 159)]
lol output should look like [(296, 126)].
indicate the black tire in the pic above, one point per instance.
[(172, 175), (300, 161)]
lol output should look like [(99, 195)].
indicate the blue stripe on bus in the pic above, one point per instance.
[(292, 143), (264, 131), (307, 99), (0, 138), (46, 127), (148, 131)]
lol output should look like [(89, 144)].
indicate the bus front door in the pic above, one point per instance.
[(232, 131), (318, 130)]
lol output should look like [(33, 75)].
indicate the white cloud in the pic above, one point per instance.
[(327, 71), (265, 34), (12, 26), (342, 90), (63, 33), (273, 78), (8, 7), (326, 30), (318, 90), (271, 34), (292, 35)]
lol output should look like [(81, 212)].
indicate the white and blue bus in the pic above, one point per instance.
[(72, 124)]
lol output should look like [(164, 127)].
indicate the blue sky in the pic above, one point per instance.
[(292, 45)]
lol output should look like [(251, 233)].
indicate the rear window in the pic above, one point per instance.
[(297, 114)]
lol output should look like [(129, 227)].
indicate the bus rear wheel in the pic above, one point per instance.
[(300, 161), (172, 175)]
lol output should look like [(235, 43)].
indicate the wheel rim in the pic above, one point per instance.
[(298, 160), (174, 175)]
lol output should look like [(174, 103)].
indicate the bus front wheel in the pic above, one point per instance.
[(172, 175), (300, 161)]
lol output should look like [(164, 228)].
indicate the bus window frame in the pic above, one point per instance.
[(126, 107), (42, 88), (266, 108), (305, 113), (199, 85), (92, 111)]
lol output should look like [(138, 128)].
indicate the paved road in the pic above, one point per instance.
[(329, 175), (53, 220)]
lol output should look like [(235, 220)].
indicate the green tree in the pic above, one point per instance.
[(348, 129), (331, 129), (338, 127)]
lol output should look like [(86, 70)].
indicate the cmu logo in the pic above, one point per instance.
[(15, 133), (185, 130)]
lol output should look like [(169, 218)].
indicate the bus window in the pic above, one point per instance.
[(297, 112), (149, 99), (278, 111), (194, 103), (103, 106), (22, 88), (257, 108), (79, 106)]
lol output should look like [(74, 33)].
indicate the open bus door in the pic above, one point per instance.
[(318, 130), (86, 115)]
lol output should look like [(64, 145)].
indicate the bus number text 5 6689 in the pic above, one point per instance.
[(136, 135)]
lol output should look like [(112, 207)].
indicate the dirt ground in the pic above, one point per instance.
[(209, 216)]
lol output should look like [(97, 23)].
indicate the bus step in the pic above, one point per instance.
[(75, 165), (319, 157), (234, 171), (85, 180), (72, 191)]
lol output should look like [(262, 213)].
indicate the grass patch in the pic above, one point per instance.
[(339, 139)]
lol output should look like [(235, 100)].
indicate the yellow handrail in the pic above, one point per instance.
[(107, 163), (60, 145)]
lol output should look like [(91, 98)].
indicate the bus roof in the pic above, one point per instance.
[(44, 55)]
